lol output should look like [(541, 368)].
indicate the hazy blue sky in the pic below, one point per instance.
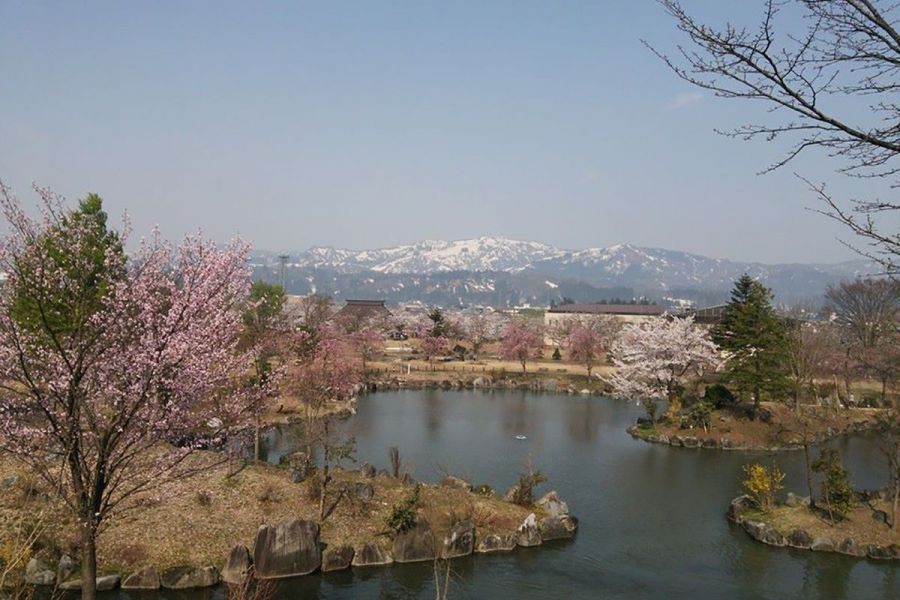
[(365, 124)]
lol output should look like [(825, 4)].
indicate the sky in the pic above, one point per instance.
[(371, 124)]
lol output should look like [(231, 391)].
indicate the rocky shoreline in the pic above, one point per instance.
[(639, 431), (294, 549), (801, 539)]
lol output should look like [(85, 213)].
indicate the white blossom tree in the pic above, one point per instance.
[(654, 358)]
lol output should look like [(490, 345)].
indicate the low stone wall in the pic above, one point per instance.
[(484, 383), (803, 540)]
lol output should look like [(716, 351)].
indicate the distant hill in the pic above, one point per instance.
[(501, 272)]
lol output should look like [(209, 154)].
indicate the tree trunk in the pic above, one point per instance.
[(674, 405), (809, 481), (324, 471), (88, 562), (256, 439), (894, 508)]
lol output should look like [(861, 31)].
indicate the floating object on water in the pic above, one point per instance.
[(521, 437)]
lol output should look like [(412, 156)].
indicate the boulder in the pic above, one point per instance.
[(558, 528), (287, 549), (415, 544), (709, 443), (689, 441), (105, 583), (879, 552), (739, 505), (238, 565), (371, 555), (460, 541), (182, 578), (496, 543), (37, 572), (66, 568), (456, 482), (822, 544), (794, 500), (553, 504), (799, 538), (337, 559), (528, 534), (511, 493), (145, 579), (763, 533), (363, 492), (848, 546), (882, 517), (484, 490)]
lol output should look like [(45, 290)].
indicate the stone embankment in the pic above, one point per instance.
[(484, 382)]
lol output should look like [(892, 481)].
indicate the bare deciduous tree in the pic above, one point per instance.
[(830, 84)]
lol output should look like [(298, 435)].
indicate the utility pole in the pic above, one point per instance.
[(282, 259)]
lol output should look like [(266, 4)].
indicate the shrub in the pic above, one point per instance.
[(763, 484), (203, 497), (836, 490), (523, 492), (557, 355), (651, 407), (719, 396), (403, 515), (700, 415)]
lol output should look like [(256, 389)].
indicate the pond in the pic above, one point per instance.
[(651, 517)]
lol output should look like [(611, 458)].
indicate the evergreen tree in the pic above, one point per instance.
[(90, 270), (756, 340), (439, 327)]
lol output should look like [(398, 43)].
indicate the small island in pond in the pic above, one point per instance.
[(208, 530), (775, 426)]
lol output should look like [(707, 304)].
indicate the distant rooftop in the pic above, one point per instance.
[(359, 310), (609, 309)]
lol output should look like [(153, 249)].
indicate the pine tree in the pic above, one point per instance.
[(755, 338)]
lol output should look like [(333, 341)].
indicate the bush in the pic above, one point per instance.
[(719, 396), (523, 492), (403, 515), (203, 497), (763, 484), (651, 407), (700, 414), (460, 351), (557, 355)]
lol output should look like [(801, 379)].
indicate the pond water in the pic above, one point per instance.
[(651, 517)]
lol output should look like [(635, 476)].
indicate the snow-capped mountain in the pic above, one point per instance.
[(532, 271), (433, 256)]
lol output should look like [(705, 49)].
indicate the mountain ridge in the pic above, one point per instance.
[(526, 267)]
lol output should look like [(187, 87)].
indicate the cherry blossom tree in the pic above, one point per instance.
[(329, 372), (433, 345), (521, 341), (589, 339), (654, 358), (480, 328), (367, 342), (110, 401)]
